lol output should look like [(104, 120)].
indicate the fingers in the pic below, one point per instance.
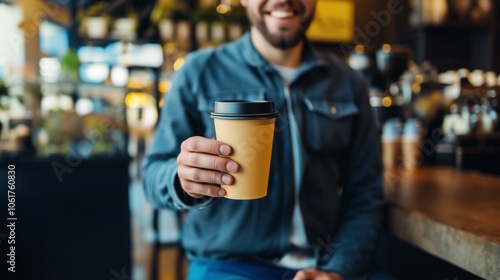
[(202, 166), (207, 161), (205, 153), (201, 182), (303, 275), (314, 274), (198, 190), (204, 145), (205, 176)]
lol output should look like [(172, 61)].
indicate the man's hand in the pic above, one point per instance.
[(314, 274), (201, 168)]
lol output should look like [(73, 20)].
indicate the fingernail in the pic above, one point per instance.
[(221, 192), (232, 167), (224, 149), (226, 179)]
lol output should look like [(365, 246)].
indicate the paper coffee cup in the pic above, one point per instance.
[(391, 151), (391, 143), (411, 144), (248, 127), (411, 153)]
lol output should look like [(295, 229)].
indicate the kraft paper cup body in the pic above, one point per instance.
[(252, 143), (248, 127), (391, 143), (411, 144), (411, 153), (391, 151)]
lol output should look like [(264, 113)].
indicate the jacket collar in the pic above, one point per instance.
[(310, 57)]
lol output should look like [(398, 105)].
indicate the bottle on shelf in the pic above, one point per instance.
[(488, 118), (201, 31), (475, 118), (168, 13), (217, 33), (449, 122), (183, 36), (462, 125), (491, 100), (237, 21), (203, 17), (166, 29), (175, 32)]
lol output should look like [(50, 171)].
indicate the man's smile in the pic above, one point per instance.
[(280, 14)]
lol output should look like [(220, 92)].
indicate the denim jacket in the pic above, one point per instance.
[(341, 193)]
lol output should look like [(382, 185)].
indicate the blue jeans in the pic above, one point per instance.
[(238, 270)]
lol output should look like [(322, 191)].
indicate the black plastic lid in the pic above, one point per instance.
[(244, 109)]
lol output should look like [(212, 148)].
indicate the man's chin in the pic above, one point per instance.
[(284, 42)]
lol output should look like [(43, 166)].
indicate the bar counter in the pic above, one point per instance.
[(452, 214)]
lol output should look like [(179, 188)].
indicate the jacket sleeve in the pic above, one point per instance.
[(179, 120), (362, 198)]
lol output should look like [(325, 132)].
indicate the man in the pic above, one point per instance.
[(322, 214)]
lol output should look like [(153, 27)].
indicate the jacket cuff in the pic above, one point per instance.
[(180, 198)]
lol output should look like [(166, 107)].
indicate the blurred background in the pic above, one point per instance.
[(82, 83)]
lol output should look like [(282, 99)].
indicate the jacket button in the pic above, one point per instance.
[(333, 110)]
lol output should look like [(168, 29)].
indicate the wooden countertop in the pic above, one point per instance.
[(449, 213)]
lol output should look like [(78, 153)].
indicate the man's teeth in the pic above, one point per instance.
[(281, 14)]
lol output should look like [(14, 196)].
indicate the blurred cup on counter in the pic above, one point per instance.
[(391, 143), (411, 144), (248, 127), (491, 78)]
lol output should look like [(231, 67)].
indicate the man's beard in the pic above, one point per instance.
[(285, 40)]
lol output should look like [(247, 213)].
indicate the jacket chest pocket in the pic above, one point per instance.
[(206, 104), (328, 124)]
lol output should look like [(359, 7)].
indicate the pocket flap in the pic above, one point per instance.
[(331, 108)]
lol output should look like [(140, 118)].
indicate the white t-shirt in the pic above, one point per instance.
[(286, 73), (298, 234)]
